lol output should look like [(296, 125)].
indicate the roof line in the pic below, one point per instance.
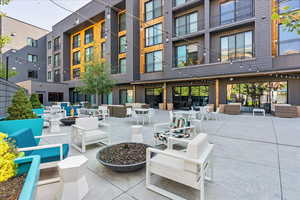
[(26, 23)]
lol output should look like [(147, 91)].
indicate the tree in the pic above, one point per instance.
[(96, 79), (3, 39), (288, 17), (21, 107), (11, 73), (35, 101)]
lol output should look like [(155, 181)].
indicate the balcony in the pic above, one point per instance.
[(241, 13), (189, 30)]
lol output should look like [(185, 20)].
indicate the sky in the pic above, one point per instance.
[(41, 13)]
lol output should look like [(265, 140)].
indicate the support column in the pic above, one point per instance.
[(134, 93), (207, 33), (165, 96), (217, 93)]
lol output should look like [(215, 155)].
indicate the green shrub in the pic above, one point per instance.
[(35, 101), (21, 107)]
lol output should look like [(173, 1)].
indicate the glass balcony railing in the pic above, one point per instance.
[(189, 28)]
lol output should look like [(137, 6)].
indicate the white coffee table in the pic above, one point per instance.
[(73, 184), (259, 110)]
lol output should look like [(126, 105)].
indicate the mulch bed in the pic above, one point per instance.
[(11, 189), (124, 154)]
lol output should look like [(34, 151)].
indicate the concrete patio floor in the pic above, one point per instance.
[(255, 158)]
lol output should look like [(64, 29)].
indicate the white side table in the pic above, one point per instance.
[(136, 134), (54, 125), (259, 110), (73, 184)]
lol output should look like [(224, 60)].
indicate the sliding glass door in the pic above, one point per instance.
[(184, 97)]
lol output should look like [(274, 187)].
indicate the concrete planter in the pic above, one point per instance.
[(11, 126), (31, 166)]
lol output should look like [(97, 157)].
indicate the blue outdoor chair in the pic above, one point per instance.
[(67, 111), (50, 154)]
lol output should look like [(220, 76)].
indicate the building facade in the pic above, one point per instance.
[(26, 50), (183, 52)]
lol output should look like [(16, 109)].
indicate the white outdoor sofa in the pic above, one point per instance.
[(86, 131), (191, 167)]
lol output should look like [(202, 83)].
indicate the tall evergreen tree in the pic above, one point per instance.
[(35, 101)]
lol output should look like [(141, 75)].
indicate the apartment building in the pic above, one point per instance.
[(26, 51), (181, 52)]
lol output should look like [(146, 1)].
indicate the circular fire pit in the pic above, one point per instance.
[(123, 157), (68, 121)]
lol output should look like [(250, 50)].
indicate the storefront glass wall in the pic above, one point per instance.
[(184, 97)]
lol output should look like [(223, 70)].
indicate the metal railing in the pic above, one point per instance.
[(7, 90), (189, 28), (242, 12)]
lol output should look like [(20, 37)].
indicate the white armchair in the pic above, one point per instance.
[(86, 131), (190, 168), (103, 111)]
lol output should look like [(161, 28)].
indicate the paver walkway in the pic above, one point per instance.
[(255, 158)]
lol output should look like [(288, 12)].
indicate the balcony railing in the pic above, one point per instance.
[(246, 11), (189, 28)]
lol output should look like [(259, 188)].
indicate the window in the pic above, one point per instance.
[(153, 61), (49, 75), (235, 10), (76, 73), (103, 32), (153, 9), (49, 44), (125, 96), (289, 42), (122, 44), (88, 36), (49, 60), (186, 24), (122, 65), (184, 97), (33, 74), (55, 96), (122, 22), (102, 52), (32, 58), (153, 35), (76, 41), (89, 54), (76, 58), (56, 43), (291, 4), (57, 75), (32, 42), (56, 60), (186, 55), (179, 2), (238, 46)]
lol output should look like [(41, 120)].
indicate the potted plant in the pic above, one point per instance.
[(20, 115), (37, 107), (18, 175)]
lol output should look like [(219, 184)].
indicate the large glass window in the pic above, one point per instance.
[(122, 65), (32, 42), (153, 9), (153, 35), (76, 41), (122, 44), (289, 42), (49, 60), (238, 46), (102, 51), (89, 36), (259, 94), (290, 4), (103, 30), (33, 74), (235, 10), (56, 60), (56, 43), (154, 96), (186, 24), (125, 96), (32, 58), (184, 97), (89, 52), (49, 75), (76, 73), (153, 61), (186, 55), (55, 96), (76, 58), (122, 22)]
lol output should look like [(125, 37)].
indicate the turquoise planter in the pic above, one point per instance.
[(29, 165), (11, 126), (38, 111)]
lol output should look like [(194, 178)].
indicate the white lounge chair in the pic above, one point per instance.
[(86, 131), (103, 111), (190, 168)]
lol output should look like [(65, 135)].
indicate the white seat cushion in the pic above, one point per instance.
[(94, 135), (173, 168)]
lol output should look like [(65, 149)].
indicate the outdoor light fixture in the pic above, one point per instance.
[(13, 34), (76, 21)]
